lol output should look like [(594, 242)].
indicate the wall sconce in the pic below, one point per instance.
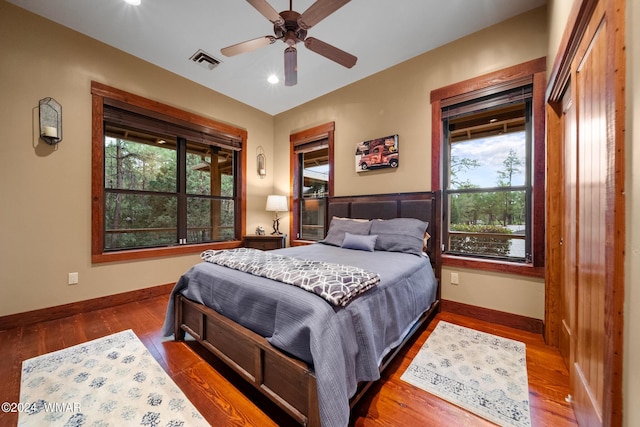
[(50, 121), (261, 162), (277, 204)]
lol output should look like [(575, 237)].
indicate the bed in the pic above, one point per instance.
[(312, 357)]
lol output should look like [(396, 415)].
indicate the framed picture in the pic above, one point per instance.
[(377, 153)]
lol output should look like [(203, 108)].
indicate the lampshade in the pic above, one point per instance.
[(277, 203)]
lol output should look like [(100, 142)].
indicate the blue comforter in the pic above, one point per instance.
[(344, 345)]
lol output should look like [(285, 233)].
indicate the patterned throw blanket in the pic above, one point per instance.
[(336, 283)]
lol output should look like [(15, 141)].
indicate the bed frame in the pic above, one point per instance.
[(285, 380)]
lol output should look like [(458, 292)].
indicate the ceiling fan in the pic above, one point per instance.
[(291, 27)]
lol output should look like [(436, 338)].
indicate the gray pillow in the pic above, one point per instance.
[(359, 242), (339, 226), (399, 235)]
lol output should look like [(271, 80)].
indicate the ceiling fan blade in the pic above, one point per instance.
[(330, 52), (318, 11), (267, 11), (290, 66), (248, 46)]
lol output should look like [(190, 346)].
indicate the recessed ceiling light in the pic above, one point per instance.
[(273, 79), (133, 2)]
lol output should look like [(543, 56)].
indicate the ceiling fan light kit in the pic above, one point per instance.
[(291, 27), (290, 66)]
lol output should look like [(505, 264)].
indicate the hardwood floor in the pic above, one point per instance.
[(226, 400)]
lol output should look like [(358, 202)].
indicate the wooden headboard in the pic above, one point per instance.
[(424, 206)]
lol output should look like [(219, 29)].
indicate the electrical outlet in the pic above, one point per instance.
[(454, 279), (73, 278)]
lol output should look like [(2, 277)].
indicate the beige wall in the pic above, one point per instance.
[(631, 382), (397, 101), (558, 11), (45, 216)]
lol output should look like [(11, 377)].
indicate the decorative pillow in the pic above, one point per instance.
[(339, 226), (359, 242), (342, 218), (399, 235)]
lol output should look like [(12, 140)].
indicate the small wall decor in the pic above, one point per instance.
[(377, 153), (261, 162), (50, 120)]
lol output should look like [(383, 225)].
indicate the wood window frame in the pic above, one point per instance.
[(537, 70), (100, 94), (321, 132)]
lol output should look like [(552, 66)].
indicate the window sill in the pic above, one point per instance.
[(136, 254), (494, 266)]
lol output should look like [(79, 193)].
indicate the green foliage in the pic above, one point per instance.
[(510, 203), (150, 218), (481, 243), (457, 166), (498, 207), (485, 211), (470, 228)]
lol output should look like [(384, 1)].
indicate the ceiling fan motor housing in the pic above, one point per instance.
[(290, 32)]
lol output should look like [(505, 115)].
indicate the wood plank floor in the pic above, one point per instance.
[(225, 400)]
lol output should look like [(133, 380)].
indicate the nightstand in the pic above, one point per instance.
[(266, 243)]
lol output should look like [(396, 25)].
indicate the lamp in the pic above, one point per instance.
[(261, 162), (50, 120), (277, 204)]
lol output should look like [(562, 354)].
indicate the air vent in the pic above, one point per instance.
[(205, 60)]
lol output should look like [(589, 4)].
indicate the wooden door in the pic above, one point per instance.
[(589, 72), (569, 229), (585, 247)]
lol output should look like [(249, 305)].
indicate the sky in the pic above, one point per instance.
[(490, 153)]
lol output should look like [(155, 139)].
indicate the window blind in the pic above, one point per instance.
[(477, 101), (125, 115)]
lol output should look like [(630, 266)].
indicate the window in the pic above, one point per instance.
[(165, 181), (488, 158), (312, 160), (147, 204), (487, 185), (314, 191)]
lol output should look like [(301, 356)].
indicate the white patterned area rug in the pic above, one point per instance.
[(480, 372), (111, 381)]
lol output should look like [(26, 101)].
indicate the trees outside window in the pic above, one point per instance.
[(488, 188), (164, 181), (144, 195)]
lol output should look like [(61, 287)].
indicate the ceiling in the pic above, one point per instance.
[(381, 33)]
